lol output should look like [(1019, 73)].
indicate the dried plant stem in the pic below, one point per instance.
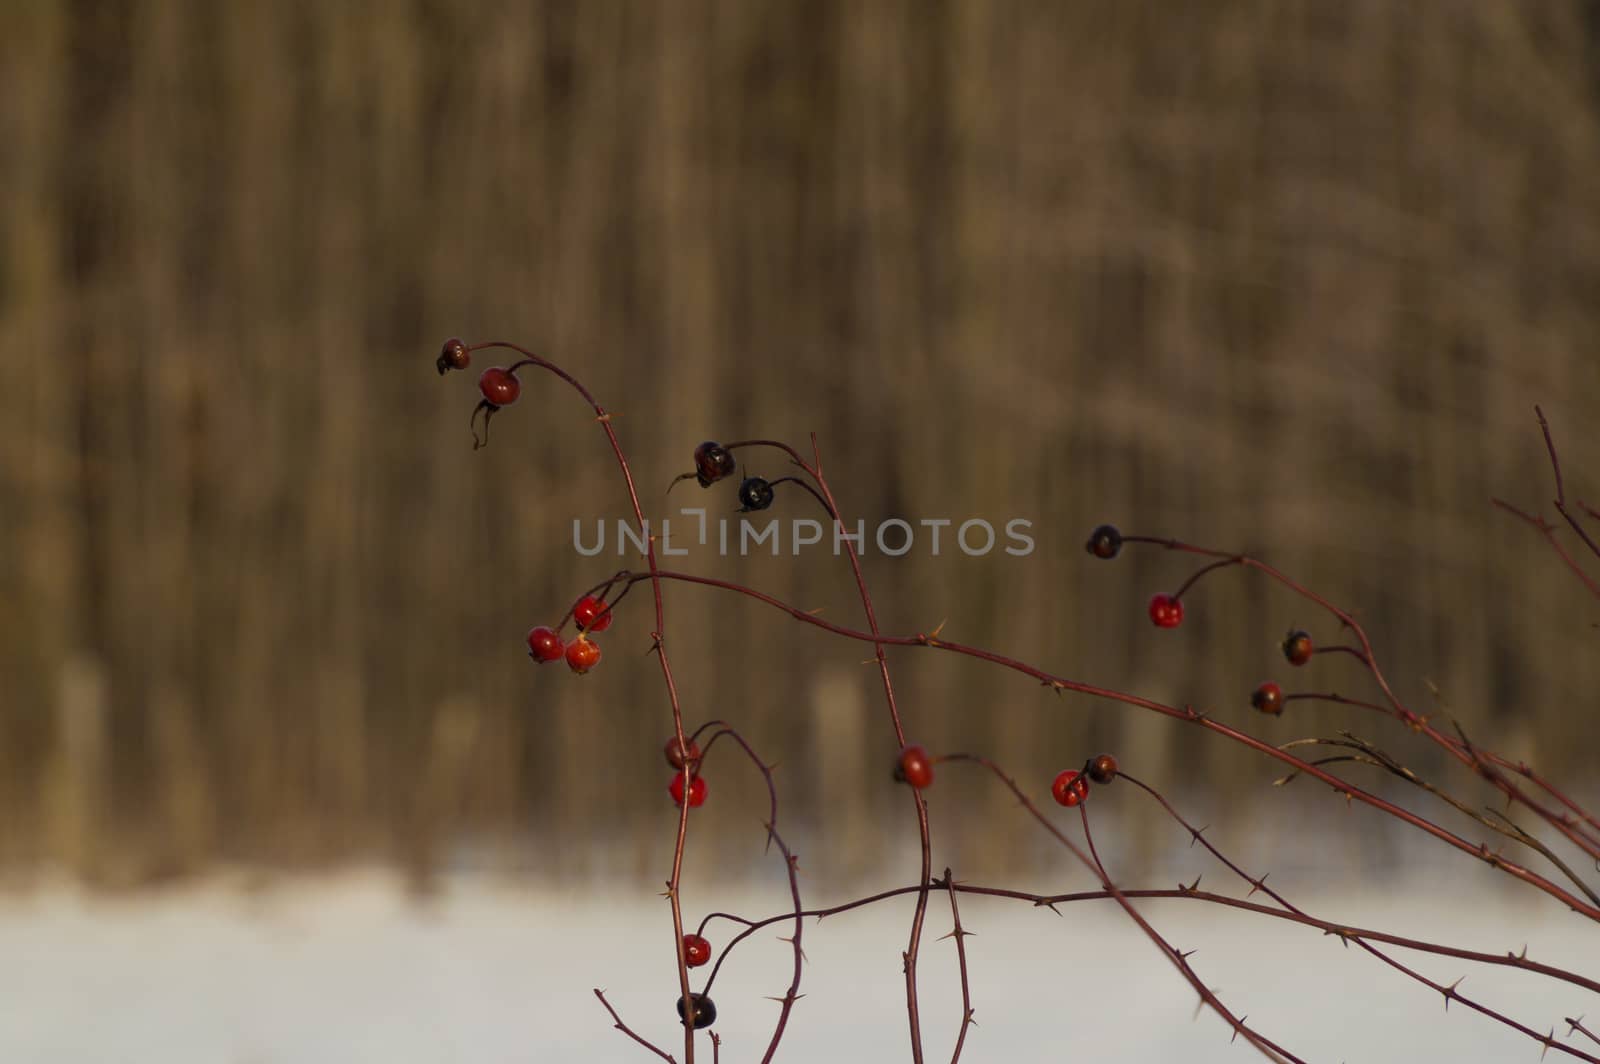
[(1573, 821), (813, 469), (658, 638), (1364, 653), (1494, 821), (1187, 714), (1268, 1048), (625, 1029), (1260, 884), (1577, 824), (960, 934)]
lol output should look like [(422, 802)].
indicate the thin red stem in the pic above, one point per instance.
[(658, 637), (959, 933), (1187, 714)]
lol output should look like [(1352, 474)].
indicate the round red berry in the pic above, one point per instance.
[(1104, 542), (705, 1013), (454, 355), (583, 654), (914, 767), (1070, 788), (697, 790), (677, 757), (1103, 769), (591, 614), (500, 387), (696, 950), (1297, 647), (544, 645), (1166, 611), (1268, 698)]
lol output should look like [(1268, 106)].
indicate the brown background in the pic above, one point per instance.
[(1283, 277)]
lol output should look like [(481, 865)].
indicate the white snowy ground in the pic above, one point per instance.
[(347, 969)]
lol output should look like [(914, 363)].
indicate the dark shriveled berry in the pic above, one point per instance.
[(1104, 542), (705, 1012), (713, 462), (454, 355), (1297, 647), (677, 756), (1103, 769), (755, 494)]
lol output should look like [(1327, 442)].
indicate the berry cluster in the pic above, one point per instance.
[(1297, 650), (583, 653), (1070, 787), (499, 385), (714, 462)]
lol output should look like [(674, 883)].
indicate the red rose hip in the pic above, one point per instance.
[(500, 387), (1166, 611), (1268, 698), (696, 950), (591, 614), (1069, 788), (583, 655), (544, 645), (914, 767), (697, 790)]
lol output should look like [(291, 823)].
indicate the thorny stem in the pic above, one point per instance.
[(1271, 1050), (1583, 839), (1260, 884), (1187, 714), (813, 469), (658, 636), (625, 1029), (1561, 491), (915, 943), (793, 993), (1575, 824), (1502, 825), (1412, 720), (1187, 893), (791, 863), (1548, 531), (959, 933)]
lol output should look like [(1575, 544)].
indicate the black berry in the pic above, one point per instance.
[(705, 1013), (1104, 542), (755, 494)]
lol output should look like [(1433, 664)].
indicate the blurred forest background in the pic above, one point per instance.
[(1285, 277)]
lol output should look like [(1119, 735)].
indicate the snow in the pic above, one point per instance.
[(350, 968)]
